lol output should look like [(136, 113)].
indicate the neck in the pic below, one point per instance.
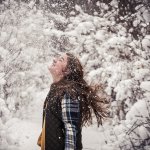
[(56, 79)]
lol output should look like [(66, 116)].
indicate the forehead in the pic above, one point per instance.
[(64, 55)]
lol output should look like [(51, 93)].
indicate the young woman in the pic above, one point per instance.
[(69, 106)]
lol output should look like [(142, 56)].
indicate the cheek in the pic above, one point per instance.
[(57, 68), (64, 65)]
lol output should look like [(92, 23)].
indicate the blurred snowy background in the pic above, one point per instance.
[(112, 38)]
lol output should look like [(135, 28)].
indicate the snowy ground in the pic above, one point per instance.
[(28, 132), (29, 129)]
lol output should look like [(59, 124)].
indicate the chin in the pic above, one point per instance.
[(52, 70)]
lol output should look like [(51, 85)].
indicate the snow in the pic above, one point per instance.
[(145, 85), (140, 108), (28, 132), (141, 73), (30, 38), (26, 135), (146, 42), (100, 35), (29, 129), (123, 89)]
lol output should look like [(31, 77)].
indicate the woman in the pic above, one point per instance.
[(68, 106)]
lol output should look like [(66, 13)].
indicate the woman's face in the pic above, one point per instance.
[(58, 65)]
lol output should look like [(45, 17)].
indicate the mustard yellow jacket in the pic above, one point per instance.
[(41, 139)]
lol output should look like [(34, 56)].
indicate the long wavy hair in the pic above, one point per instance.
[(90, 101)]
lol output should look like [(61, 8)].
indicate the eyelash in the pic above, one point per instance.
[(61, 59)]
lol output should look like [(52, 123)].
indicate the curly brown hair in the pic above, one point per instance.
[(77, 87)]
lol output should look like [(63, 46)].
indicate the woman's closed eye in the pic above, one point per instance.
[(61, 59)]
